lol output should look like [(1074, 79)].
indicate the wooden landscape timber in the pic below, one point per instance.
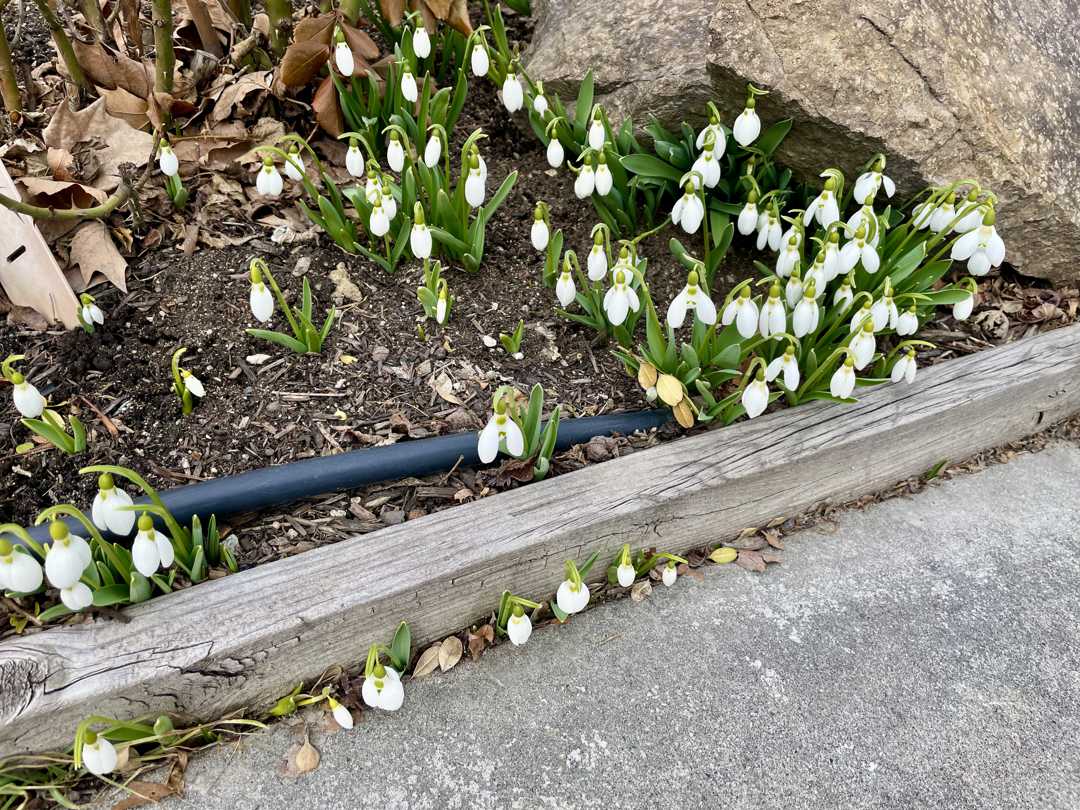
[(247, 639)]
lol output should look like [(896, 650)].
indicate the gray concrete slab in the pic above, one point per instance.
[(926, 653)]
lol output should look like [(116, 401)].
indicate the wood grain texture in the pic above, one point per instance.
[(249, 638)]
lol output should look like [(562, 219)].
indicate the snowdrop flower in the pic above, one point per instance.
[(518, 626), (832, 257), (863, 346), (626, 575), (354, 160), (961, 310), (983, 248), (597, 262), (922, 215), (769, 231), (755, 396), (379, 223), (167, 160), (565, 289), (421, 42), (807, 315), (77, 597), (572, 596), (67, 557), (540, 232), (843, 379), (844, 297), (585, 183), (748, 217), (943, 215), (743, 312), (860, 318), (604, 179), (540, 104), (793, 290), (868, 183), (904, 368), (28, 400), (479, 60), (788, 366), (408, 86), (908, 322), (512, 95), (974, 216), (824, 207), (19, 572), (383, 690), (98, 754), (151, 549), (719, 139), (342, 716), (420, 235), (89, 311), (688, 211), (816, 274), (620, 299), (866, 219), (389, 204), (500, 428), (789, 259), (442, 305), (555, 153), (773, 319), (695, 298), (343, 55), (373, 188), (709, 168), (108, 511), (883, 313), (193, 384), (395, 152), (747, 126), (294, 166), (859, 249), (597, 135), (269, 182), (433, 151), (670, 574), (474, 185)]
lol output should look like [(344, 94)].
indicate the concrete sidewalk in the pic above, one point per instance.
[(924, 654)]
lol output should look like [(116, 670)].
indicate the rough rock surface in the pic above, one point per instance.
[(947, 89)]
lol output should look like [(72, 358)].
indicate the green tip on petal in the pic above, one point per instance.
[(58, 530), (105, 482), (146, 523)]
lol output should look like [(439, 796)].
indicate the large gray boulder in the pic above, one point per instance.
[(947, 89)]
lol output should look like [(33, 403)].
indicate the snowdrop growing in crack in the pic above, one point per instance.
[(669, 575), (869, 182), (621, 299), (19, 572), (773, 318), (354, 160), (842, 382), (500, 430), (625, 573), (151, 549), (692, 297), (108, 512), (573, 594), (743, 312), (382, 689), (807, 314), (863, 346), (688, 211), (904, 368), (269, 182), (67, 557), (343, 55), (787, 365), (513, 97), (824, 207), (342, 716), (982, 248), (519, 626), (98, 754), (748, 217)]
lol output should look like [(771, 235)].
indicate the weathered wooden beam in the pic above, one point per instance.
[(249, 638)]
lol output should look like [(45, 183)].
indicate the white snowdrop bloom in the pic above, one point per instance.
[(572, 598), (474, 187), (483, 166), (755, 396), (747, 126), (294, 166), (743, 312), (787, 365), (789, 259), (342, 716), (862, 317), (421, 43), (269, 182), (193, 384), (420, 236), (540, 104), (28, 400), (626, 575), (409, 90), (907, 323), (904, 368), (824, 207), (807, 314), (974, 216), (922, 215), (961, 310), (773, 318), (597, 263), (389, 204), (688, 211), (868, 184), (832, 257), (748, 217), (383, 690), (816, 275), (620, 300), (19, 572), (604, 179), (539, 234), (107, 511), (670, 575), (883, 313), (843, 380), (261, 301), (77, 597), (555, 153), (343, 58), (863, 346), (859, 249), (167, 160), (843, 297), (719, 138), (585, 182), (565, 289), (500, 428), (373, 188), (98, 754), (442, 306), (693, 297), (597, 136), (867, 220), (91, 313), (513, 97), (150, 549), (67, 557), (709, 168), (354, 161), (433, 151), (395, 153), (983, 248), (518, 627), (769, 232), (479, 60), (943, 215), (793, 290)]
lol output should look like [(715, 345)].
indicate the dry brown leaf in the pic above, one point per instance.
[(319, 29), (772, 537), (235, 99), (116, 142), (144, 793), (458, 17), (61, 164), (440, 8), (641, 590), (327, 108), (444, 387), (427, 661), (450, 652), (431, 22), (751, 561), (479, 640), (302, 61), (393, 11), (122, 104), (109, 69), (361, 45), (94, 251), (60, 193)]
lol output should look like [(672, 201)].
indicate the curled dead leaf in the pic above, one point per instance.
[(306, 758), (751, 561), (361, 45), (327, 108), (669, 389), (427, 661), (318, 29), (641, 591), (647, 375), (723, 555), (684, 415), (450, 652), (302, 61)]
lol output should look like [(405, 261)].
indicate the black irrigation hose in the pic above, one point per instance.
[(270, 486)]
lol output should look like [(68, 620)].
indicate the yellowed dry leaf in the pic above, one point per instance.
[(444, 387), (450, 652), (683, 414), (670, 389), (122, 104), (306, 758), (723, 555), (94, 251), (144, 793), (115, 141), (641, 590), (647, 375), (427, 661)]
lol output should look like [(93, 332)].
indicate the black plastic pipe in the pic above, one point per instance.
[(256, 490)]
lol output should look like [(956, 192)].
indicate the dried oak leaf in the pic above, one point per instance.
[(479, 640), (427, 662), (751, 561), (109, 69), (94, 251), (450, 653)]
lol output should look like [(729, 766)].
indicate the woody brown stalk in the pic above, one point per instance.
[(280, 13), (164, 59), (9, 88), (205, 26), (63, 44), (92, 11)]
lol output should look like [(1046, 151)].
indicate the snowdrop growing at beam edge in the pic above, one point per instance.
[(743, 312), (692, 297), (500, 431), (19, 572), (787, 365), (573, 594), (982, 248), (625, 573), (98, 754), (670, 574), (620, 299), (269, 182), (382, 689), (904, 368), (842, 382), (688, 211), (151, 549), (869, 182), (518, 626), (342, 716), (108, 512)]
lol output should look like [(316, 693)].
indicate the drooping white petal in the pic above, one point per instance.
[(585, 182), (77, 597), (625, 575), (269, 182), (843, 382), (604, 180), (165, 549), (294, 167), (65, 563), (669, 576), (420, 241), (748, 218), (616, 305), (569, 600), (962, 309), (746, 319), (907, 323), (343, 58), (871, 261), (408, 87), (421, 43), (515, 440), (513, 97), (354, 161), (432, 152), (676, 313), (20, 573), (965, 245), (479, 60), (107, 514), (705, 309), (518, 629), (474, 189), (261, 301), (395, 155), (539, 234), (99, 757), (597, 263), (555, 153), (596, 134), (755, 398), (145, 554), (28, 400), (168, 163), (565, 289), (540, 104), (342, 716), (747, 127), (488, 444)]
